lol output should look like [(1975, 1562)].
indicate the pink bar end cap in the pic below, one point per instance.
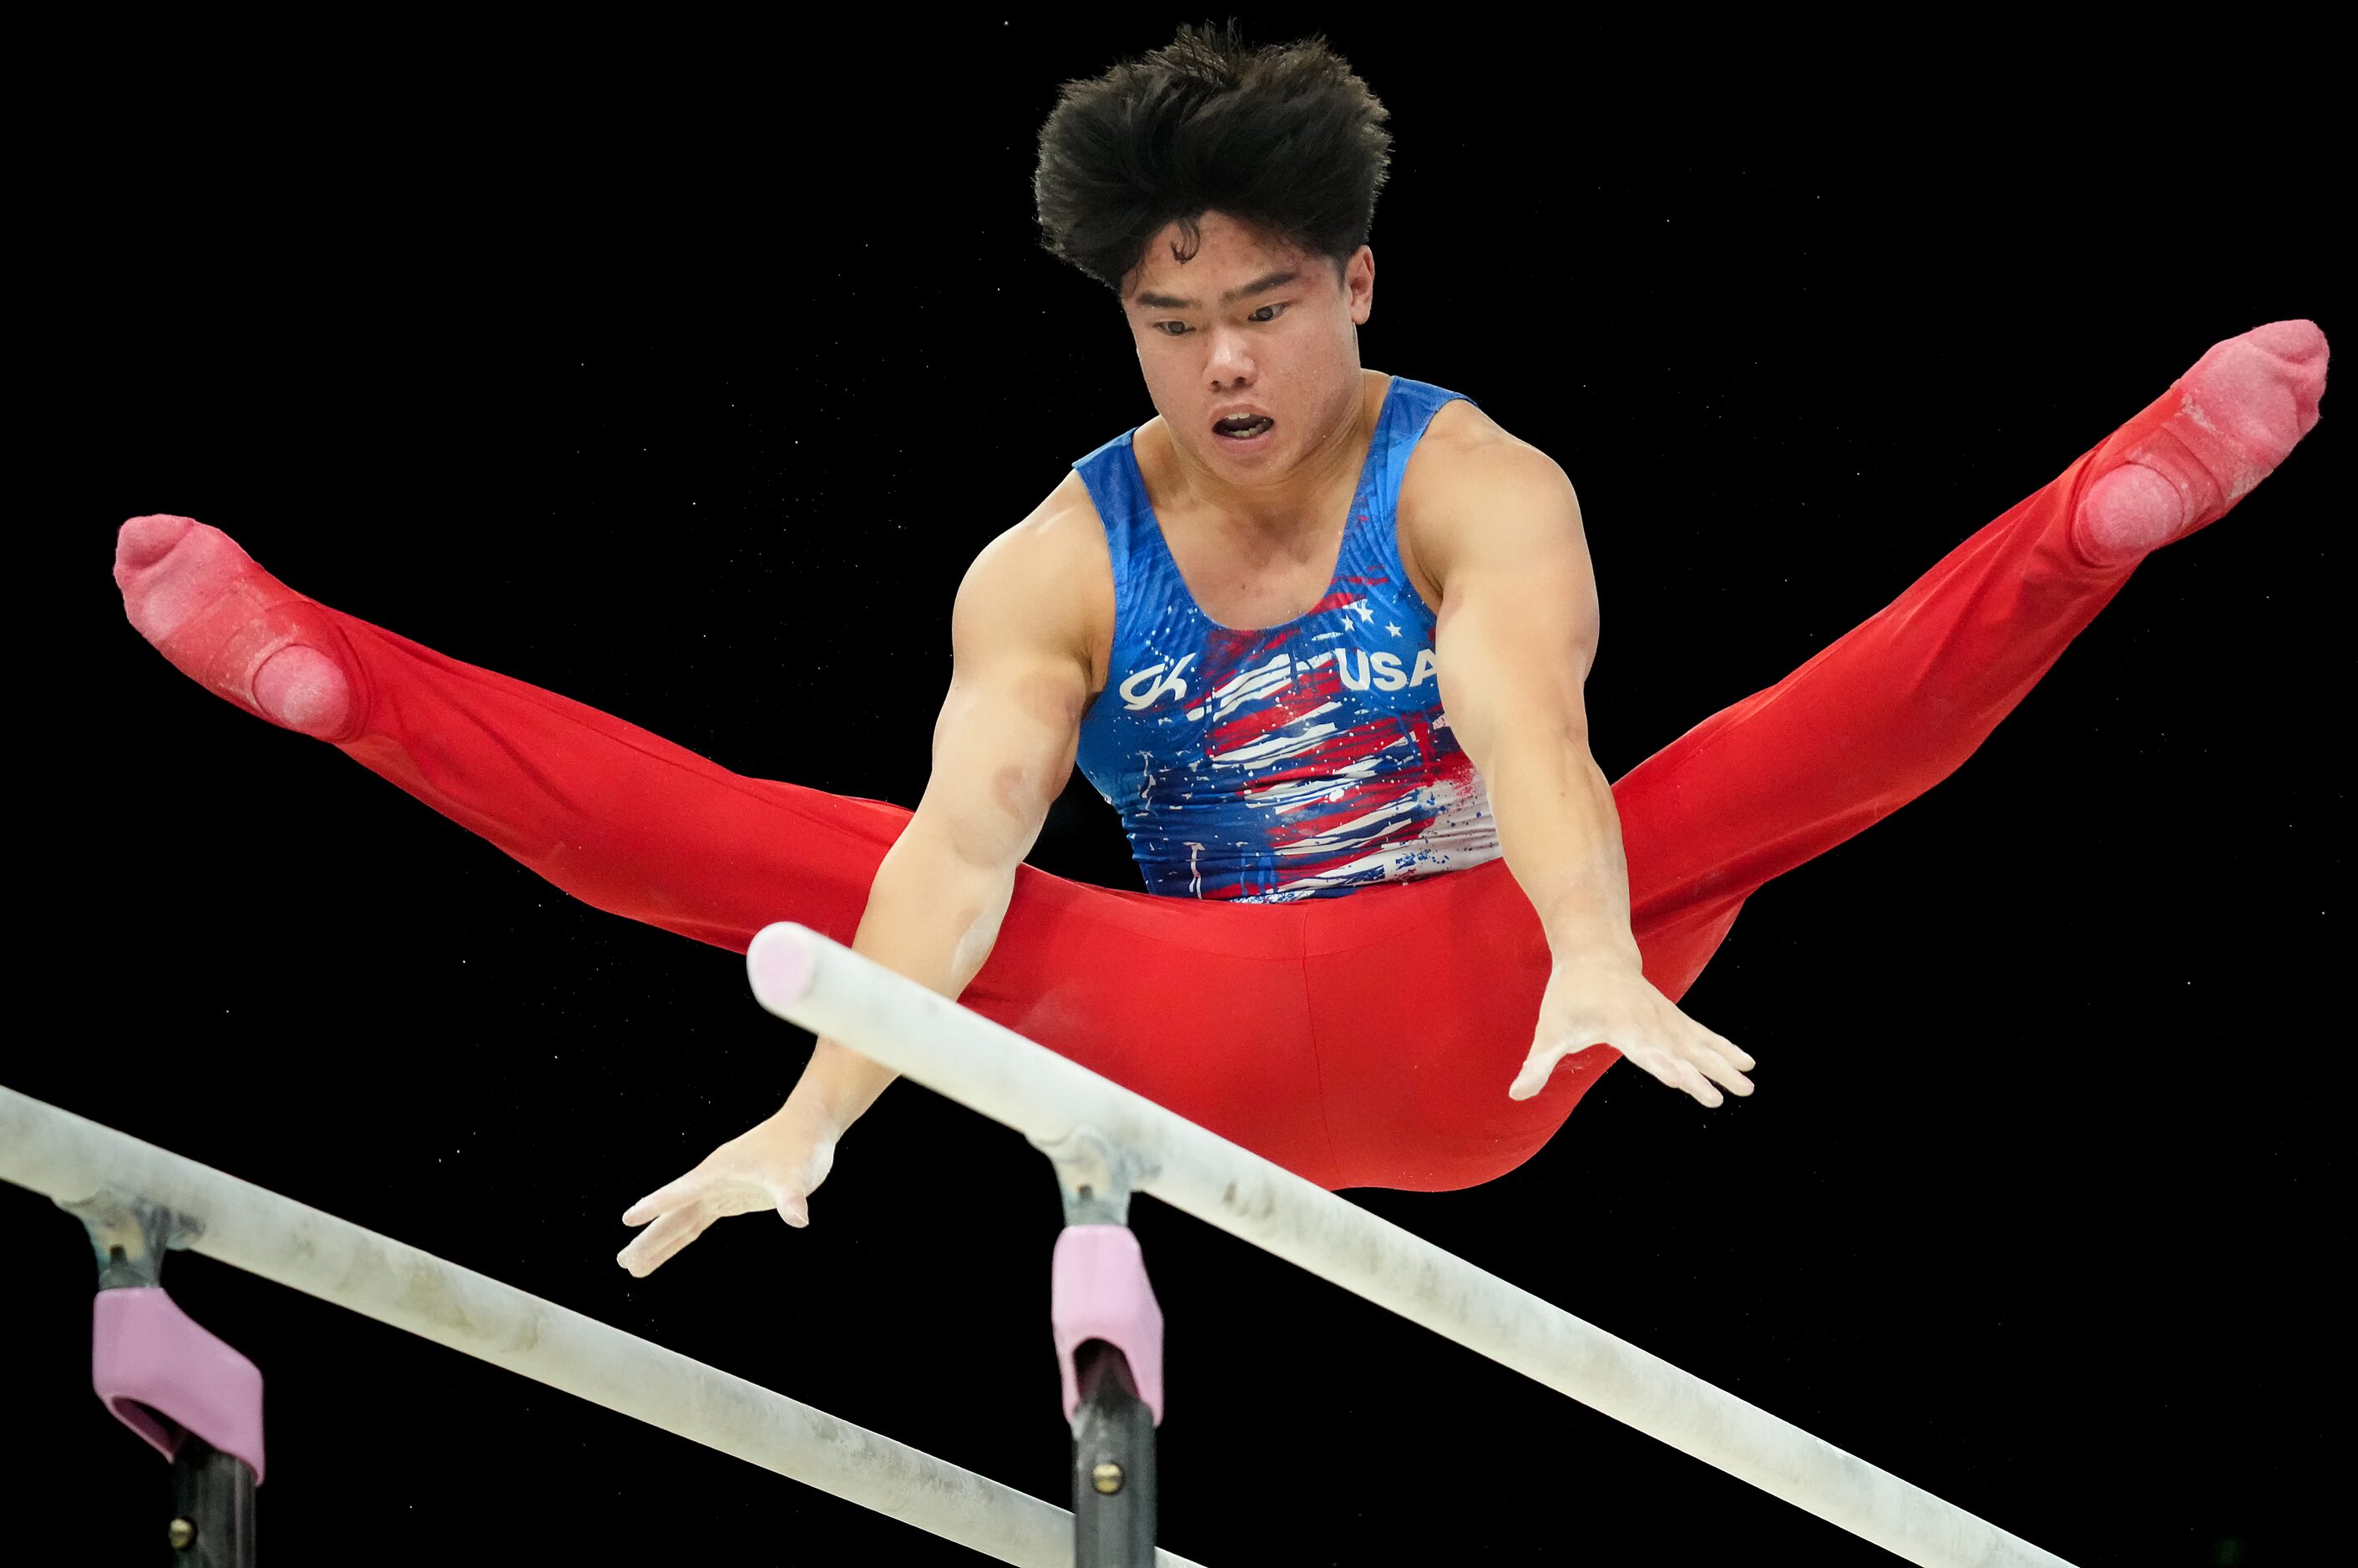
[(781, 962)]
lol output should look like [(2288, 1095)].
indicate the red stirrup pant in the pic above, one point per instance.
[(1361, 1040)]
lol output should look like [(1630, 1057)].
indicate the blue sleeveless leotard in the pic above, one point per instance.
[(1300, 761)]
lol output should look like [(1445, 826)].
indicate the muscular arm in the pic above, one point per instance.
[(1516, 634), (1003, 748), (1500, 532)]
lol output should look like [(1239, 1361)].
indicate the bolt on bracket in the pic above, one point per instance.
[(1097, 1175)]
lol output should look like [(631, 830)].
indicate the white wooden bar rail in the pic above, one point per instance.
[(71, 1159), (827, 988)]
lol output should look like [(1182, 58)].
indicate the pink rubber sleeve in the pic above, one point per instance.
[(1100, 1291), (163, 1375)]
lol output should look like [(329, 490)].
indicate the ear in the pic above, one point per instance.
[(1360, 285)]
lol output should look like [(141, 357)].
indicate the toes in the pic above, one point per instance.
[(2297, 340), (2263, 387), (170, 570), (142, 541)]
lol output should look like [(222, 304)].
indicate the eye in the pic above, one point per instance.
[(1172, 328), (1267, 313)]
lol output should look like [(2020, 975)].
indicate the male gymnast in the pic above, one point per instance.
[(1321, 635)]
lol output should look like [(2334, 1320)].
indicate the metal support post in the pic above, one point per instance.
[(186, 1393), (1109, 1333)]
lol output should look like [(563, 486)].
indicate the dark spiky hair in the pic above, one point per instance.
[(1284, 137)]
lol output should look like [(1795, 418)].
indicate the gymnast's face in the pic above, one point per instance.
[(1251, 347)]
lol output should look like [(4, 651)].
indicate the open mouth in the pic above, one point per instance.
[(1243, 427)]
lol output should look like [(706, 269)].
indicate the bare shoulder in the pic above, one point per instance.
[(1048, 581), (1472, 483)]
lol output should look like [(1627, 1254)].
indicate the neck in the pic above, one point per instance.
[(1279, 505)]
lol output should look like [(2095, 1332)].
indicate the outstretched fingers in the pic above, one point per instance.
[(1695, 1068), (1692, 1080), (1670, 1069), (1691, 1059), (686, 1209), (1723, 1061), (660, 1242), (685, 1190)]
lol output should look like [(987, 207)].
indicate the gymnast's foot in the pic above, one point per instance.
[(226, 621), (2237, 415)]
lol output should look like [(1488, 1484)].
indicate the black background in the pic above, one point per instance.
[(684, 375)]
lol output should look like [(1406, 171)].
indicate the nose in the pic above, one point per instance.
[(1228, 362)]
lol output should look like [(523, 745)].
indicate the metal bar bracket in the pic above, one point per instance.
[(1097, 1174)]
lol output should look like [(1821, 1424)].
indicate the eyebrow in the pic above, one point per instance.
[(1257, 285)]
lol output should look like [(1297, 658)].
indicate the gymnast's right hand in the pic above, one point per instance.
[(775, 1164)]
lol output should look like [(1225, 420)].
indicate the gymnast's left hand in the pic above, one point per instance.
[(1607, 1001)]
